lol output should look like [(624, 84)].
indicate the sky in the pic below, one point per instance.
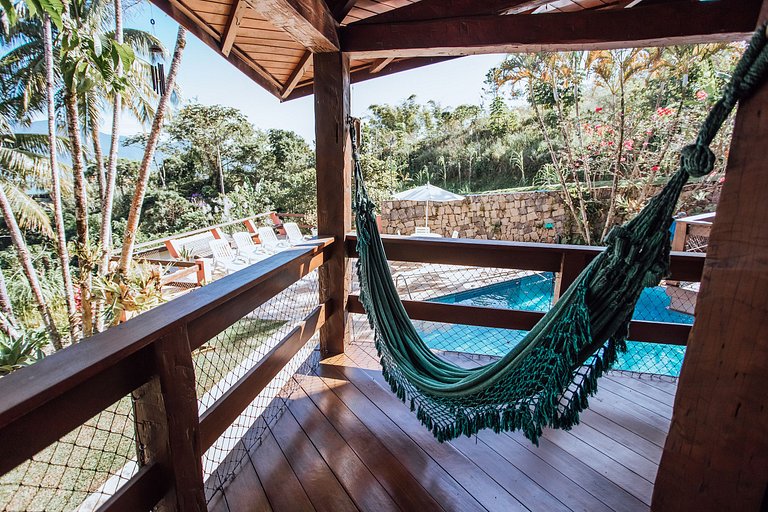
[(209, 79)]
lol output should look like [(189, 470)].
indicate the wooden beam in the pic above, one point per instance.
[(340, 8), (297, 74), (202, 31), (167, 424), (684, 266), (233, 25), (334, 189), (380, 64), (439, 9), (716, 454), (309, 22), (364, 73), (648, 332), (652, 25)]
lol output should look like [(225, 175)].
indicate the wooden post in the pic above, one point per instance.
[(334, 189), (716, 453), (678, 243), (167, 424), (571, 266)]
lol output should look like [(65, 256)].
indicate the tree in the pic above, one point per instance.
[(138, 197)]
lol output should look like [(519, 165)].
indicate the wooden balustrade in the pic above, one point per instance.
[(566, 260), (150, 358)]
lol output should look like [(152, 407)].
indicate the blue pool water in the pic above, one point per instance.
[(534, 293)]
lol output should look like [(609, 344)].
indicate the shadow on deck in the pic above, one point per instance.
[(347, 443)]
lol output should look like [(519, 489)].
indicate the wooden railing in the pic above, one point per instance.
[(150, 358), (567, 261)]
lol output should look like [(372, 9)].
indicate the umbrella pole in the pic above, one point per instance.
[(426, 215)]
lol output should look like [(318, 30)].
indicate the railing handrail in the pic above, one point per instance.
[(684, 266), (114, 353)]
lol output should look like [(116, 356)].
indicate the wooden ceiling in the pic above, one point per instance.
[(272, 41)]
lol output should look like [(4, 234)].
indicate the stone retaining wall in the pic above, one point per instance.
[(520, 216)]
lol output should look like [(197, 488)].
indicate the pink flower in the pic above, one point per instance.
[(701, 95), (655, 168), (663, 111), (598, 109), (629, 144), (721, 180)]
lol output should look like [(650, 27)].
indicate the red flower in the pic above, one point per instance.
[(598, 109), (655, 168)]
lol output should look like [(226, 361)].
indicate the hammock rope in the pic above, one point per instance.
[(546, 379)]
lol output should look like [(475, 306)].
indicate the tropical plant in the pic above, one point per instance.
[(20, 351)]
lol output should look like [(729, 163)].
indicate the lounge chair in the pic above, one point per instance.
[(225, 259), (269, 240), (293, 233), (248, 250)]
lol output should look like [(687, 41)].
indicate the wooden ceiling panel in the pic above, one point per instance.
[(271, 55)]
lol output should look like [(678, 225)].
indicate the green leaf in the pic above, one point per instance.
[(126, 55), (98, 46), (10, 11)]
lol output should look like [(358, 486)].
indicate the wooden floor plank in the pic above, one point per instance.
[(617, 451), (245, 493), (520, 485), (321, 485), (644, 387), (597, 484), (404, 488), (603, 464), (625, 437), (280, 483), (487, 491), (437, 482), (548, 478), (354, 481), (637, 398), (666, 385), (630, 417), (611, 400), (346, 442)]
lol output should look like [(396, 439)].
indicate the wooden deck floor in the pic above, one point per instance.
[(346, 443)]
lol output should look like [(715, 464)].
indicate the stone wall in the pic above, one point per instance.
[(519, 216)]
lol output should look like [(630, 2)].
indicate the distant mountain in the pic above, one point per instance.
[(132, 152)]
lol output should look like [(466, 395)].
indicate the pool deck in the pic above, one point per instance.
[(346, 442)]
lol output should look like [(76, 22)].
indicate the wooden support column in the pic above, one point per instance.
[(571, 266), (716, 453), (168, 426), (334, 189)]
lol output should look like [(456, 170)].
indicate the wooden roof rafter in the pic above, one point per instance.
[(676, 22)]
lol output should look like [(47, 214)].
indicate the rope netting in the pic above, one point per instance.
[(85, 467)]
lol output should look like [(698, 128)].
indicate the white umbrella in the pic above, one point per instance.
[(428, 193)]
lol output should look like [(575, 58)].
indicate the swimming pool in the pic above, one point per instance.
[(534, 293)]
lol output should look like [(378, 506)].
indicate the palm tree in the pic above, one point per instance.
[(531, 71), (58, 211), (23, 163), (141, 186)]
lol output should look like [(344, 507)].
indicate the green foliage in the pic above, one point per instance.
[(21, 351), (165, 212)]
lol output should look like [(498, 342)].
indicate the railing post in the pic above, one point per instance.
[(334, 189), (571, 266), (678, 243), (167, 423)]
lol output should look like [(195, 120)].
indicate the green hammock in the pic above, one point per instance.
[(545, 380)]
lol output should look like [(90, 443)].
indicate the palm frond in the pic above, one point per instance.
[(29, 213)]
